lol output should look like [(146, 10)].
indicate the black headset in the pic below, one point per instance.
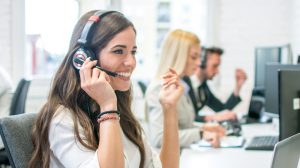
[(84, 51), (203, 58)]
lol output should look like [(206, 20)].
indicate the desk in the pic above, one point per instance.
[(231, 157)]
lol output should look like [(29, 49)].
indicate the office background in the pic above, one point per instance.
[(237, 26)]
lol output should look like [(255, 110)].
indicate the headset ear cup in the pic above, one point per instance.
[(203, 58), (83, 54)]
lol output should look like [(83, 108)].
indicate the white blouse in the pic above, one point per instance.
[(66, 150)]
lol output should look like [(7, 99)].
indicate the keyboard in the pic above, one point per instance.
[(262, 143)]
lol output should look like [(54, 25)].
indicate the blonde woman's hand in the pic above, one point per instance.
[(213, 138), (171, 90), (214, 127), (96, 84)]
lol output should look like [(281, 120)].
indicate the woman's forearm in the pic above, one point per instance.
[(110, 150), (170, 150)]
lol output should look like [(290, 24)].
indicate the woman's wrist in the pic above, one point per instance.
[(236, 91), (168, 106), (107, 115), (108, 107)]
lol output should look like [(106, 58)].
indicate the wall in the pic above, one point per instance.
[(12, 37), (295, 27), (237, 26), (240, 26), (5, 38), (87, 5)]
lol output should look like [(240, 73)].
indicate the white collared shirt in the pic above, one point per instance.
[(196, 82), (67, 151)]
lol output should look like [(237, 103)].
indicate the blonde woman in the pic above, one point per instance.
[(180, 50)]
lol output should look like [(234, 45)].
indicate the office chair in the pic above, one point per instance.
[(143, 87), (16, 135), (17, 105), (4, 162)]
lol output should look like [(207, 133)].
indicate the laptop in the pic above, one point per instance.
[(287, 152)]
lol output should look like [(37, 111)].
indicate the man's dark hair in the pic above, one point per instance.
[(214, 50)]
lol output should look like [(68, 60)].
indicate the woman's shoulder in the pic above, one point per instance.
[(153, 86), (62, 115)]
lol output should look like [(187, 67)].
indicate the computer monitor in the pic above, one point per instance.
[(264, 55), (289, 90), (271, 86)]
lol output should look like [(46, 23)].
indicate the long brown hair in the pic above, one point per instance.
[(66, 91)]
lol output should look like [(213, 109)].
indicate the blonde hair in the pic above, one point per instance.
[(174, 52)]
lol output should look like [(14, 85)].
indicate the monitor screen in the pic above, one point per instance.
[(264, 55), (289, 89), (271, 86)]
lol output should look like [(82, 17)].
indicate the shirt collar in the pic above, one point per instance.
[(195, 80), (186, 87)]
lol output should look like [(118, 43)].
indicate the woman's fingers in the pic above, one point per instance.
[(81, 73), (170, 82), (95, 74), (167, 81), (170, 73), (173, 71), (86, 69), (212, 138), (102, 76)]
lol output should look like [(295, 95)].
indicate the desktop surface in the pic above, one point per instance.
[(231, 157)]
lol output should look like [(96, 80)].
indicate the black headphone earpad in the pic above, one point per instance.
[(83, 54), (203, 59)]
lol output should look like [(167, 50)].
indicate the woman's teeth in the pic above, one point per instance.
[(124, 74)]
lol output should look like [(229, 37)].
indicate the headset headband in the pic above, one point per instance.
[(90, 26)]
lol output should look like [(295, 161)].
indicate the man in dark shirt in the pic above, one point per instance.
[(201, 94)]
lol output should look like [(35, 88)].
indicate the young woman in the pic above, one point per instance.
[(87, 120), (181, 51)]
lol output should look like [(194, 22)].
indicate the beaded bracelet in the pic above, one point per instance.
[(108, 112), (108, 117)]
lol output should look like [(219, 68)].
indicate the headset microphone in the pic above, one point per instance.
[(203, 58), (80, 62)]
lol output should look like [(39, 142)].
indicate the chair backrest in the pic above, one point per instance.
[(16, 136), (143, 87), (287, 152), (17, 105)]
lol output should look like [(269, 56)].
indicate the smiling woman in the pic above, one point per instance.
[(87, 119), (119, 56)]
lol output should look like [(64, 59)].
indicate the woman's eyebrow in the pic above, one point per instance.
[(123, 46), (119, 46)]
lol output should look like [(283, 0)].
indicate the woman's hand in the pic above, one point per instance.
[(213, 138), (171, 90), (96, 84), (169, 95), (214, 127)]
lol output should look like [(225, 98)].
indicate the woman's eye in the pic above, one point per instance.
[(133, 52), (118, 51)]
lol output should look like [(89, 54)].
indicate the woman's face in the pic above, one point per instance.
[(193, 60), (119, 56)]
